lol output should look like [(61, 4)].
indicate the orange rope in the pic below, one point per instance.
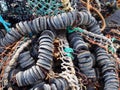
[(89, 7), (118, 3)]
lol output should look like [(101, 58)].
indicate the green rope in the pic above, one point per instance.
[(111, 49), (113, 39), (70, 55), (69, 52), (71, 30)]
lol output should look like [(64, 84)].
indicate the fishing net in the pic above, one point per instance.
[(45, 7), (20, 10)]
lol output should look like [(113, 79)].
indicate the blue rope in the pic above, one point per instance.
[(5, 24)]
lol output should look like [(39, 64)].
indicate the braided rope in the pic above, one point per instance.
[(11, 64)]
